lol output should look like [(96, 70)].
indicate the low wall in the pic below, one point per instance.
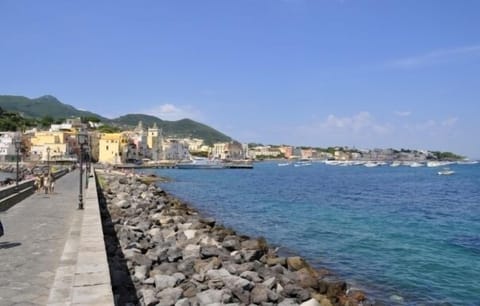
[(11, 195)]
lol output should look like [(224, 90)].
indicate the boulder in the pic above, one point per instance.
[(296, 263), (211, 296), (164, 281), (169, 296), (310, 302), (149, 298), (259, 294)]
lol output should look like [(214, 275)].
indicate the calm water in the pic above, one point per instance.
[(405, 235)]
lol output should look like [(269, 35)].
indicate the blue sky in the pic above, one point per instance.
[(401, 74)]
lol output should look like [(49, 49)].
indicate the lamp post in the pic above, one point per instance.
[(48, 160), (87, 168), (81, 142), (17, 150)]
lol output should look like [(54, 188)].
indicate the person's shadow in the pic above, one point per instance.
[(9, 245)]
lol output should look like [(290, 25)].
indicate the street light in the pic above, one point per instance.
[(81, 140), (17, 150), (48, 160)]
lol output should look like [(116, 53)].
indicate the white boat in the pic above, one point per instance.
[(371, 164), (201, 163), (468, 162), (416, 165), (283, 164), (302, 164), (395, 164), (446, 171), (438, 163)]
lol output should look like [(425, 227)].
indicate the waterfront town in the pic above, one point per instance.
[(148, 146)]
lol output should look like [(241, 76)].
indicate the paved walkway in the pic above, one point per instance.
[(36, 230)]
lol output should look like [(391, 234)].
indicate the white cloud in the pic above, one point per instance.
[(360, 122), (171, 112), (434, 57), (403, 113), (449, 122)]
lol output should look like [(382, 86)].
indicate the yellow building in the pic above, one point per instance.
[(111, 147), (58, 144)]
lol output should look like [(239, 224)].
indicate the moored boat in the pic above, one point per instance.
[(446, 171), (201, 163)]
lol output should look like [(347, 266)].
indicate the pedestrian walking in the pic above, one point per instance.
[(46, 183)]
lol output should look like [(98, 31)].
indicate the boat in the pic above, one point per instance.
[(467, 162), (302, 164), (435, 163), (201, 163), (283, 164), (446, 171), (396, 164), (415, 164), (371, 164)]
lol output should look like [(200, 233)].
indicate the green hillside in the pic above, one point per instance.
[(181, 128), (42, 107), (49, 106)]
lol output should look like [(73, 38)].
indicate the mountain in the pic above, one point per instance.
[(43, 106), (51, 106), (181, 128)]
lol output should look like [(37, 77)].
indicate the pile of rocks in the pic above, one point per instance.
[(174, 256)]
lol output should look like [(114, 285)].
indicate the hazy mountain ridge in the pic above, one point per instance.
[(50, 106)]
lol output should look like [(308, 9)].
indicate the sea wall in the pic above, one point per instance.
[(163, 252)]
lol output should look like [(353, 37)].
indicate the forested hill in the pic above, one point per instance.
[(34, 110)]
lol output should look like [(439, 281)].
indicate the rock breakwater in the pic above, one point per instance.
[(163, 252)]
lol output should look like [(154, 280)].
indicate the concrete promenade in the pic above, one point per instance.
[(41, 257)]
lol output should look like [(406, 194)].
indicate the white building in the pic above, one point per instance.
[(175, 150), (8, 151)]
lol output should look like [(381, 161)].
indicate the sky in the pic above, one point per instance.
[(357, 73)]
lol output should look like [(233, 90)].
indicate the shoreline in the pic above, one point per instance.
[(175, 256)]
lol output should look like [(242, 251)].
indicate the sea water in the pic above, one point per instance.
[(406, 236)]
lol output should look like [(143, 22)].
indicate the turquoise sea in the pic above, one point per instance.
[(406, 236)]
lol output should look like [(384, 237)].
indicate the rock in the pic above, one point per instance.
[(231, 244), (310, 302), (288, 302), (169, 296), (296, 263), (190, 234), (295, 291), (213, 296), (164, 281), (336, 289), (209, 251), (252, 255), (189, 289), (272, 261), (306, 278), (233, 282), (183, 302), (123, 196), (357, 295), (218, 274), (149, 298), (251, 276), (191, 251), (270, 283), (259, 294), (141, 272), (208, 221), (254, 244)]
